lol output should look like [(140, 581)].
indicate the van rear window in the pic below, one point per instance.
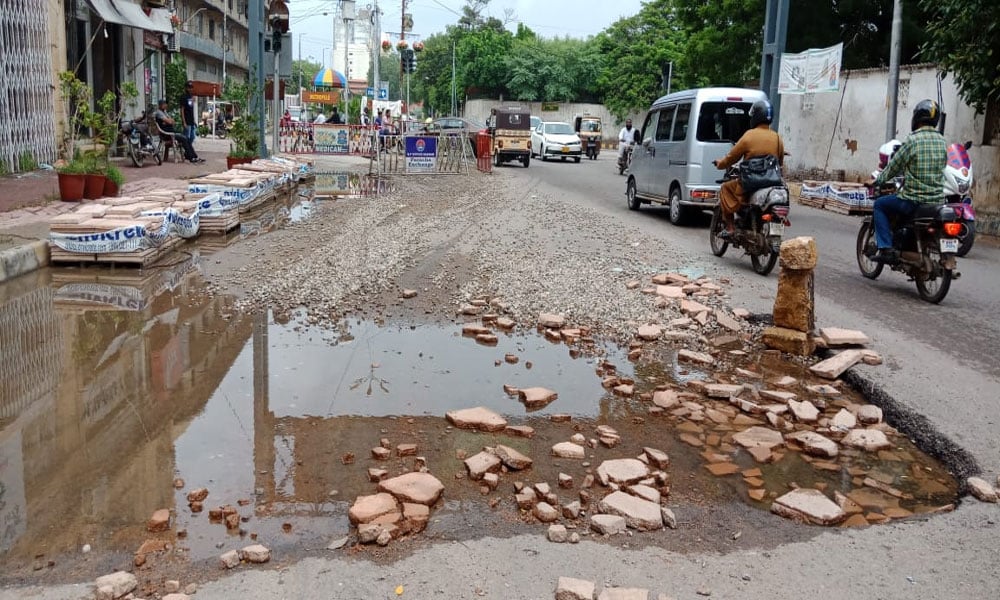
[(723, 121)]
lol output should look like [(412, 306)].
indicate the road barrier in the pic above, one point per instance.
[(326, 138), (484, 152), (412, 153)]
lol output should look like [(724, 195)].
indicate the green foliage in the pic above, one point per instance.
[(76, 98), (76, 166), (964, 38), (722, 40), (114, 174), (304, 71), (175, 78), (26, 162)]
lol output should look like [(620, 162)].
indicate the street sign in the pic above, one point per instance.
[(370, 92), (383, 93)]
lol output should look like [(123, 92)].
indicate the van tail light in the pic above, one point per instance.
[(953, 229), (702, 194)]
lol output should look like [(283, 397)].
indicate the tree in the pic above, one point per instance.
[(635, 51), (964, 38), (304, 71), (722, 40)]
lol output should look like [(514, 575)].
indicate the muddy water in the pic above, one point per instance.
[(116, 384)]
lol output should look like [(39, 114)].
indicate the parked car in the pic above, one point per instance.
[(456, 125), (555, 138), (681, 136)]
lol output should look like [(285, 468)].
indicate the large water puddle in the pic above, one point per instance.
[(118, 385)]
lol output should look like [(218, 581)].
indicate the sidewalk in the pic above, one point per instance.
[(28, 201)]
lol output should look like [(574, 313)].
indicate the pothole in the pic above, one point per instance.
[(131, 387)]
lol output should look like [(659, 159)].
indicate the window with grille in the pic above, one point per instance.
[(904, 92)]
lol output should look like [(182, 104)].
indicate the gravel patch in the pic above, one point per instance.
[(532, 252)]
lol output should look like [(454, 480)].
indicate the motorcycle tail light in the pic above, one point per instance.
[(953, 229), (781, 211), (766, 218)]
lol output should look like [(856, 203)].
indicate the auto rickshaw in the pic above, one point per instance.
[(588, 127), (510, 132)]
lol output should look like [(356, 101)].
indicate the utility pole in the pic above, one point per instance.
[(255, 23), (896, 44), (299, 91), (402, 37), (225, 45), (377, 50), (775, 32), (454, 100)]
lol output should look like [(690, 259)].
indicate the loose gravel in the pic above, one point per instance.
[(532, 252)]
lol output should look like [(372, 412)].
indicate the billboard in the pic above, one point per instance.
[(815, 70)]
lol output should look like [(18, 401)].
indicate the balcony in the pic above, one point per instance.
[(208, 48)]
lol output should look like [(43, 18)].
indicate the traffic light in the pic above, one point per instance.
[(408, 61)]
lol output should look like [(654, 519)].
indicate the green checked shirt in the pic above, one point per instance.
[(921, 160)]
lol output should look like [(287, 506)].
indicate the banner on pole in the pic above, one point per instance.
[(815, 70)]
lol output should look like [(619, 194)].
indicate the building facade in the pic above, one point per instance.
[(105, 43)]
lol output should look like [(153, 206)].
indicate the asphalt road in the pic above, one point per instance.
[(940, 363), (941, 360)]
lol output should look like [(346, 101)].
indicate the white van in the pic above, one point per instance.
[(681, 136)]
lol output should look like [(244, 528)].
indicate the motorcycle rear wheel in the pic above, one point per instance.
[(135, 155), (764, 263), (866, 242), (719, 245), (968, 239), (934, 290)]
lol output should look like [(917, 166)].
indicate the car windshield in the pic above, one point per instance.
[(723, 121), (558, 128)]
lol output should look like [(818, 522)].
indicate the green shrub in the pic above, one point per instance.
[(26, 162)]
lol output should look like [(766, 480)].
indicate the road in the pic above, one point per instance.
[(939, 364), (941, 359)]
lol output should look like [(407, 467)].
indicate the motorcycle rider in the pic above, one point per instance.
[(920, 160), (626, 136), (758, 141)]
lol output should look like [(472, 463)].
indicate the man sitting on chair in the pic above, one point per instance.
[(166, 125)]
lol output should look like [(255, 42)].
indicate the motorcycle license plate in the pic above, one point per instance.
[(949, 245), (565, 148), (775, 228)]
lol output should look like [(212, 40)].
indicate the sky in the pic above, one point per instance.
[(547, 18)]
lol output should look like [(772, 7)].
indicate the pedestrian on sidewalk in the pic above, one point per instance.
[(166, 125), (187, 112)]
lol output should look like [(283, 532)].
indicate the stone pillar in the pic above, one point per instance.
[(794, 306)]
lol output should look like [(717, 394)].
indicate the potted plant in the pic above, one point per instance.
[(72, 180), (244, 133), (402, 45), (94, 180), (418, 46), (113, 181), (72, 173), (386, 45)]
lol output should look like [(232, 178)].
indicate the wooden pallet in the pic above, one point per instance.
[(140, 259), (845, 209), (812, 201), (224, 223)]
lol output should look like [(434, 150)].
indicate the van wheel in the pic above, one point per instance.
[(677, 212), (630, 195)]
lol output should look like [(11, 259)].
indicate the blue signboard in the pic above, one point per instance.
[(421, 154), (370, 92), (383, 93)]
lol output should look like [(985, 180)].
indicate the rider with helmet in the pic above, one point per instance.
[(758, 141), (920, 160)]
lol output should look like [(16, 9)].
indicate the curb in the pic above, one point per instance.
[(23, 259)]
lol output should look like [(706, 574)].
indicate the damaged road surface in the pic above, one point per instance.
[(449, 390)]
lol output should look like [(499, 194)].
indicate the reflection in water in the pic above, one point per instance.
[(349, 183), (118, 360), (117, 382)]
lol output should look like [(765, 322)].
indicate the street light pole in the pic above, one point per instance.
[(347, 12)]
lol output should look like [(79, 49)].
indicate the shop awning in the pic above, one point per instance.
[(137, 17), (124, 12), (161, 19)]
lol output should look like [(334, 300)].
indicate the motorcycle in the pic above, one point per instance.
[(957, 183), (591, 148), (138, 142), (760, 224), (625, 159), (927, 241)]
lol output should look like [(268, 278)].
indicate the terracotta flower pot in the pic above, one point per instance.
[(110, 188), (71, 187), (94, 186), (232, 161)]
